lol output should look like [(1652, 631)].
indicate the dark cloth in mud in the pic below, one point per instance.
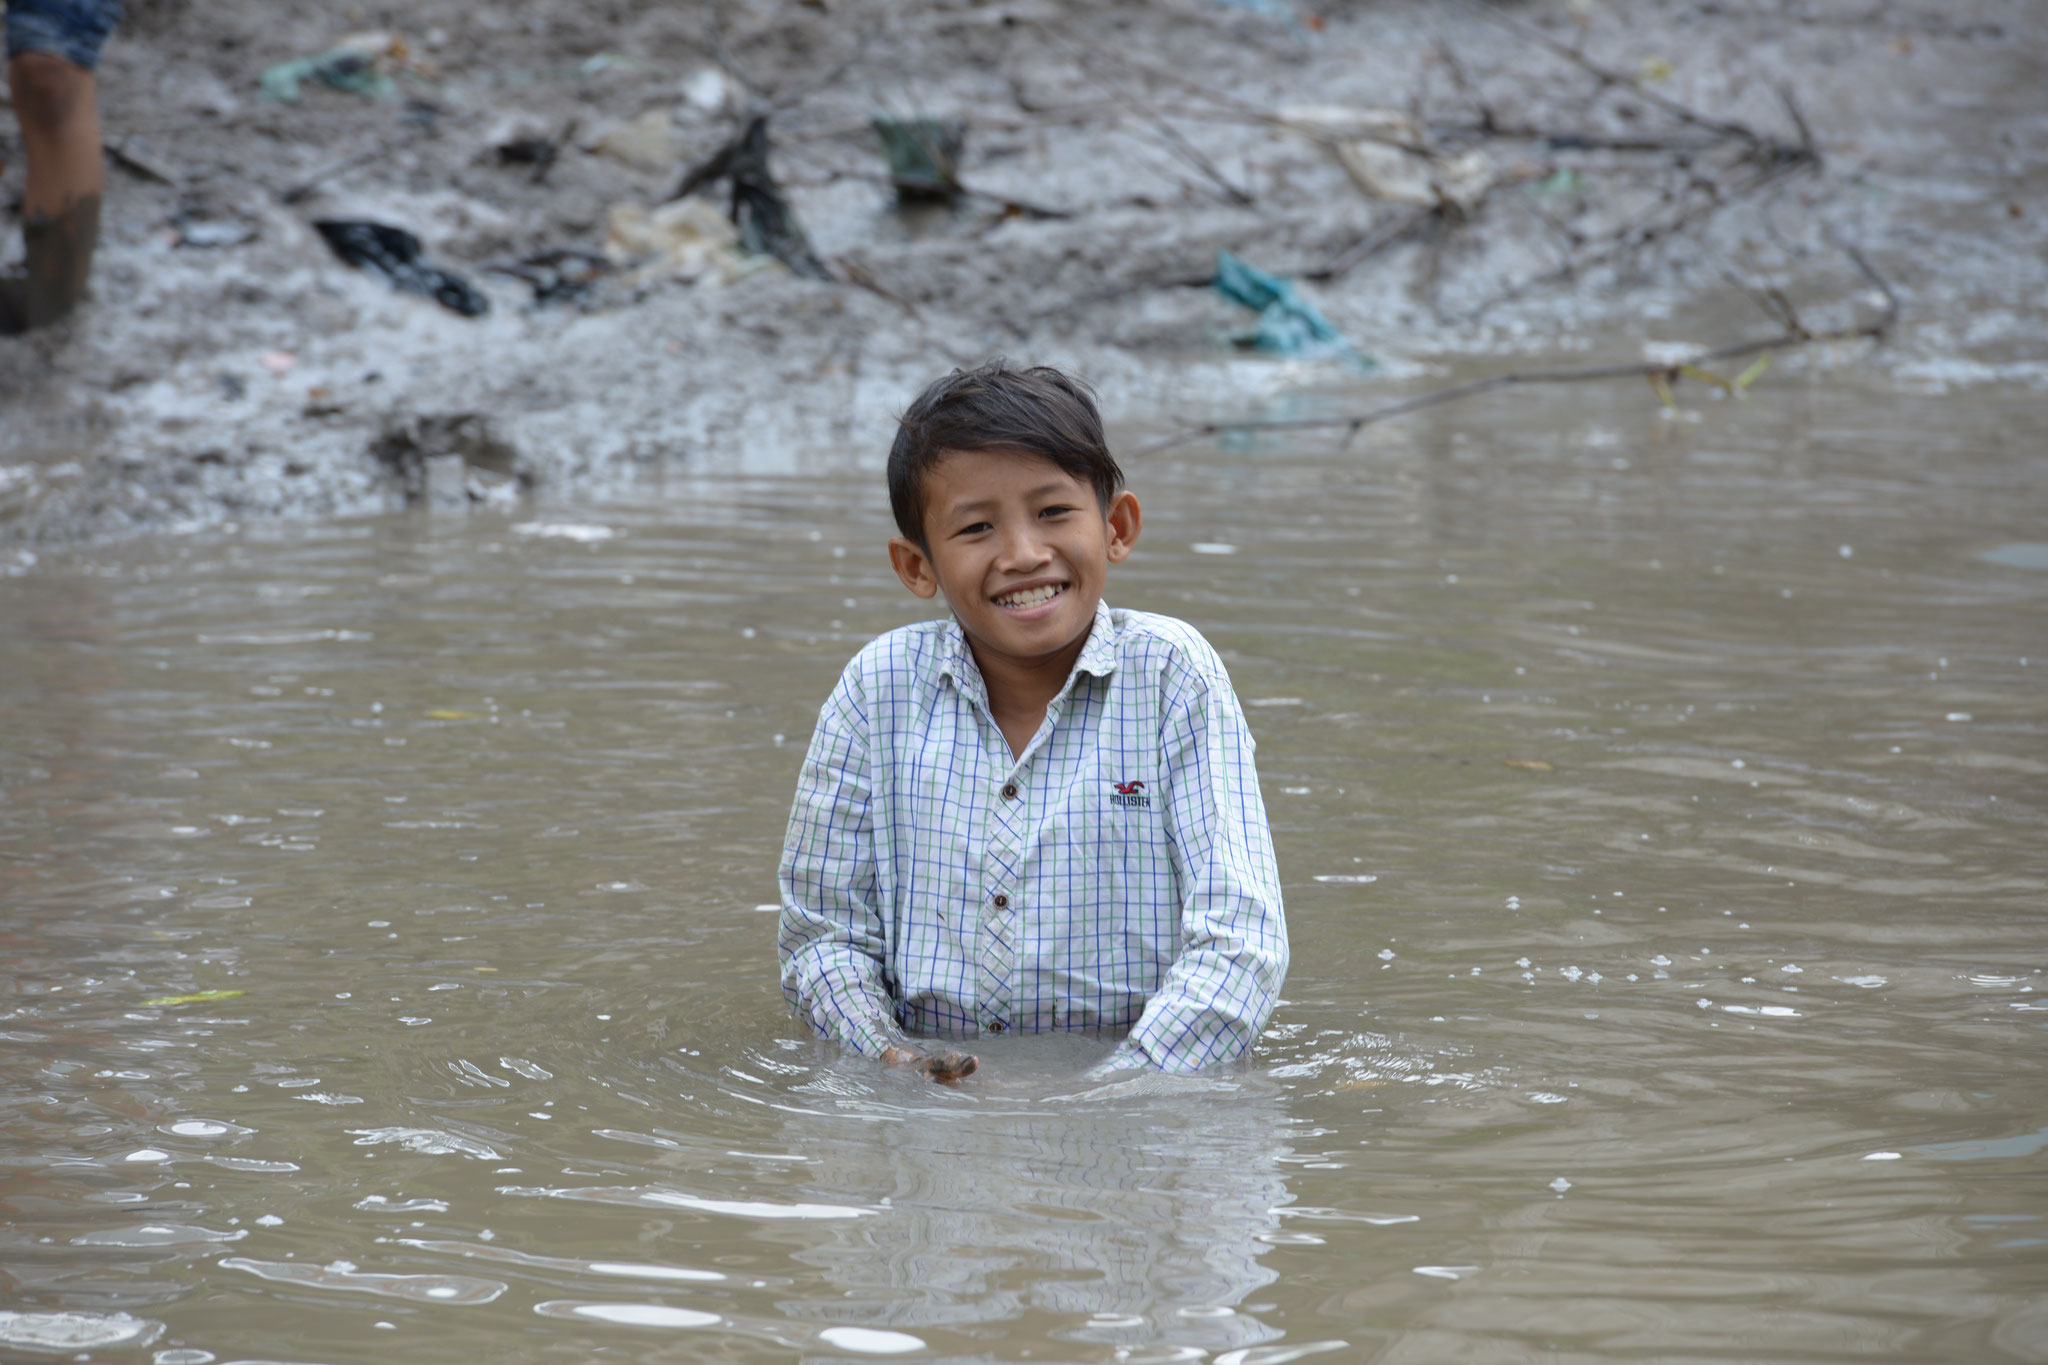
[(72, 29)]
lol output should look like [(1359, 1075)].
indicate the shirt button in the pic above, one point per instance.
[(996, 1027), (1001, 902), (1009, 791)]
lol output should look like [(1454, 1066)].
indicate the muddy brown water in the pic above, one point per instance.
[(1659, 805)]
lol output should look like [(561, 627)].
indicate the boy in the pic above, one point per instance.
[(1042, 813)]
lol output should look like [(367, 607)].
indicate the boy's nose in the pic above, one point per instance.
[(1024, 548)]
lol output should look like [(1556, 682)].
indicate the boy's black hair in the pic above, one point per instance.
[(1038, 411)]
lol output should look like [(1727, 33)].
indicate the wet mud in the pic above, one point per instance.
[(230, 368)]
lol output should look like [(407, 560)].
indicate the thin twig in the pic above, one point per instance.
[(1646, 229), (1666, 373), (1395, 229), (1609, 76), (305, 188), (1194, 156)]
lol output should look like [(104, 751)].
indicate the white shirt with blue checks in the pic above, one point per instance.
[(1119, 875)]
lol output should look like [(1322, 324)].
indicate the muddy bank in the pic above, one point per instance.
[(232, 367)]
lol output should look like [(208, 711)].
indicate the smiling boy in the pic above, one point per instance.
[(1041, 813)]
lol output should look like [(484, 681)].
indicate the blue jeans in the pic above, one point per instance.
[(71, 29)]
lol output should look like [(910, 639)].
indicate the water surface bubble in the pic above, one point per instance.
[(628, 1314), (871, 1340), (1279, 1354), (204, 1128)]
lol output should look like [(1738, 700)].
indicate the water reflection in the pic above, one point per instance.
[(1122, 1214)]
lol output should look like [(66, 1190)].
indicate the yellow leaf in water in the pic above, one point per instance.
[(439, 713), (1534, 765), (1706, 377), (196, 998), (1657, 69)]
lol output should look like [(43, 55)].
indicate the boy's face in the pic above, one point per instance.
[(1020, 547)]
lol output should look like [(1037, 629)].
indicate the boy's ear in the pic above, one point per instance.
[(1125, 520), (913, 566)]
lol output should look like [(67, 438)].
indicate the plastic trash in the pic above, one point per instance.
[(557, 275), (1288, 323), (649, 142), (357, 64), (684, 240), (767, 224), (923, 155), (207, 233), (1387, 155), (395, 254)]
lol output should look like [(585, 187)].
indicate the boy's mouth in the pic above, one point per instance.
[(1025, 598)]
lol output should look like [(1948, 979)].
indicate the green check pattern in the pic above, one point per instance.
[(1119, 875)]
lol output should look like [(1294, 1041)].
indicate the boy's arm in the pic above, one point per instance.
[(833, 943), (1219, 993)]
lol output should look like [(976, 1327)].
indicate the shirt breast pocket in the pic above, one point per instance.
[(1131, 880)]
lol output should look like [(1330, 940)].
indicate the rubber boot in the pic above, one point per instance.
[(13, 305), (59, 259)]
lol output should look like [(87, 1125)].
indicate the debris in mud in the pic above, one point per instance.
[(923, 156), (395, 254), (209, 233), (1288, 323), (767, 224), (359, 64), (1388, 156), (558, 275), (540, 153), (451, 461), (684, 240), (649, 143)]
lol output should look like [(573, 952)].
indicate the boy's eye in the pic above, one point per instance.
[(973, 529), (1055, 511)]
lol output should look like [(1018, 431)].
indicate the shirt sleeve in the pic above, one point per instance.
[(832, 942), (1221, 990)]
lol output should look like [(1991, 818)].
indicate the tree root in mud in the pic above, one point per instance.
[(1662, 376)]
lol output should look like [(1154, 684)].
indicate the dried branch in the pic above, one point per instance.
[(1646, 229), (1660, 374), (1396, 229), (1607, 76)]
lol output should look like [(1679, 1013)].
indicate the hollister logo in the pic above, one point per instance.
[(1130, 795)]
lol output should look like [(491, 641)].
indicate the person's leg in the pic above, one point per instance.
[(52, 48), (60, 221)]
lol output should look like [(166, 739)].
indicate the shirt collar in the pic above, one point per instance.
[(1098, 656)]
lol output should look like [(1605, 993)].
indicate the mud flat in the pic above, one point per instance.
[(1596, 182)]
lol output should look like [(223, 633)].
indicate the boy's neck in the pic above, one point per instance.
[(1019, 690)]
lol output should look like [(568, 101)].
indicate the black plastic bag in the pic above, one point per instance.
[(395, 254)]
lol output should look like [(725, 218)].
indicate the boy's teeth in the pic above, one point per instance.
[(1030, 597)]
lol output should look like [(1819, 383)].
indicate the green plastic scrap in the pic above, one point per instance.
[(1288, 323), (923, 154), (344, 68)]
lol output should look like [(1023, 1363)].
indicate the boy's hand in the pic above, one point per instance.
[(946, 1066)]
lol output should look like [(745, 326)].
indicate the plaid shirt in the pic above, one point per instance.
[(1119, 875)]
